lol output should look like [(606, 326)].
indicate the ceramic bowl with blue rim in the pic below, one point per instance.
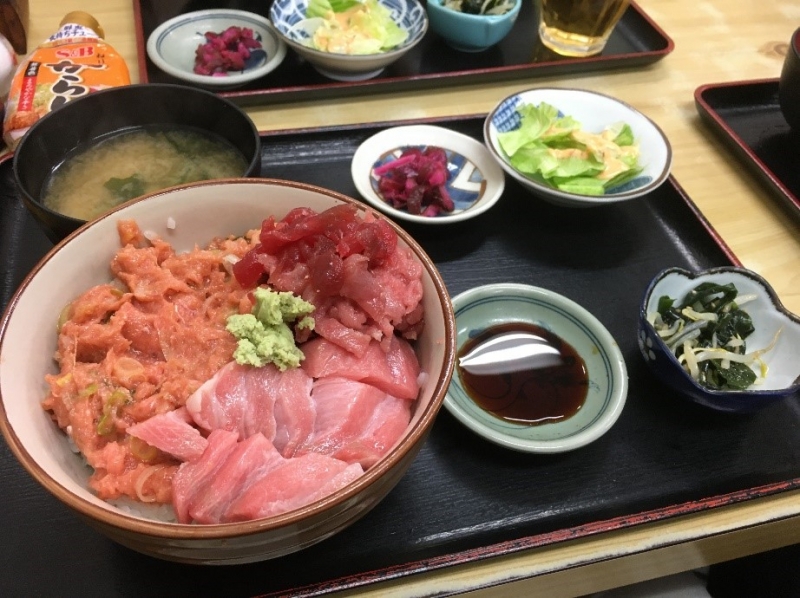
[(484, 307), (289, 19), (781, 376), (471, 32), (595, 112), (475, 181), (173, 44)]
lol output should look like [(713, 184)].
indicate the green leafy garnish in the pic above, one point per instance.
[(554, 150), (127, 188)]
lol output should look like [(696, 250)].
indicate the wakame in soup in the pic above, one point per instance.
[(136, 162)]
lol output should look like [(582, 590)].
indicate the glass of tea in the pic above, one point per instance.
[(578, 27)]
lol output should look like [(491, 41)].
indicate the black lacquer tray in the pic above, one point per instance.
[(747, 118), (636, 41), (463, 499)]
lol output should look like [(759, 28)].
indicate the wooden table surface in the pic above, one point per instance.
[(715, 41)]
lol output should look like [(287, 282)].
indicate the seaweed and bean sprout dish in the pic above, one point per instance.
[(480, 7), (707, 332)]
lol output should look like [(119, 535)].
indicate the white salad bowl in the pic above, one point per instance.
[(475, 181), (173, 44), (289, 18), (185, 216), (486, 306), (595, 111), (769, 316)]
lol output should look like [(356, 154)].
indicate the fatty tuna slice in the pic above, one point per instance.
[(344, 410), (295, 414), (242, 398), (193, 476), (295, 483), (171, 433), (394, 371), (356, 422), (389, 422), (250, 460)]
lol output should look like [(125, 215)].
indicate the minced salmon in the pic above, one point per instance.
[(140, 346)]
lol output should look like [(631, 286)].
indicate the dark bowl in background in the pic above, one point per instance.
[(789, 86), (82, 122)]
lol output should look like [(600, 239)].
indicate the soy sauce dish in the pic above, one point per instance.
[(549, 409), (773, 344), (474, 180)]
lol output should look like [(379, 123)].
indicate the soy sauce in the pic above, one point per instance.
[(532, 396)]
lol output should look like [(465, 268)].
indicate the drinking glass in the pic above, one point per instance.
[(578, 27)]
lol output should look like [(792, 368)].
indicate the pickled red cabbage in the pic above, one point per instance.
[(416, 181), (226, 51)]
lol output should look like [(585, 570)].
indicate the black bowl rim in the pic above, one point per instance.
[(76, 222)]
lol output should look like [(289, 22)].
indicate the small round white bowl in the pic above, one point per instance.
[(172, 46), (768, 314), (476, 180), (187, 216), (482, 307), (288, 16), (594, 111)]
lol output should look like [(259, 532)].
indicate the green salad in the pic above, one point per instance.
[(556, 151), (354, 27)]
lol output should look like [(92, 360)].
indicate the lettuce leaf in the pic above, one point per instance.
[(320, 8), (545, 149)]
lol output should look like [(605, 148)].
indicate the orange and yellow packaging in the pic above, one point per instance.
[(71, 63)]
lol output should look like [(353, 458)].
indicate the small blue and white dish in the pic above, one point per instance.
[(471, 32), (173, 44), (782, 379), (295, 29), (487, 306), (475, 181), (595, 111)]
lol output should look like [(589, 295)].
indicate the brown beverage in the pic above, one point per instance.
[(578, 27)]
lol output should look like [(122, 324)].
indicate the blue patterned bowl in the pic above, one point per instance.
[(172, 45), (475, 181), (783, 360), (482, 307), (289, 19), (594, 111)]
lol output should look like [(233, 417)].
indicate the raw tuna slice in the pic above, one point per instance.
[(388, 424), (172, 434), (294, 484), (394, 371), (295, 414), (344, 410), (250, 460), (349, 474), (193, 476), (242, 399)]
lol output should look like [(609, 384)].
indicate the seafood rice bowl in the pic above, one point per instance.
[(230, 371)]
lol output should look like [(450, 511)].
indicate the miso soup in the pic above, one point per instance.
[(136, 162)]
